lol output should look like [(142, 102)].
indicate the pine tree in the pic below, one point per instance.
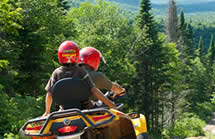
[(200, 52), (182, 33), (182, 24), (172, 22), (144, 16), (189, 31), (143, 58), (63, 4), (201, 47), (145, 19), (37, 43), (211, 52), (150, 62), (189, 48)]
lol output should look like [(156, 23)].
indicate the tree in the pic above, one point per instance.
[(211, 52), (145, 19), (190, 47), (200, 84), (104, 27), (182, 37), (143, 64), (153, 70), (9, 25), (182, 24), (63, 4), (172, 22), (171, 89), (44, 28), (200, 52)]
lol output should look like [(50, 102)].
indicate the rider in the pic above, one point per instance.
[(68, 56), (90, 60)]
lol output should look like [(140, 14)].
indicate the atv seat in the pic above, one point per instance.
[(71, 93)]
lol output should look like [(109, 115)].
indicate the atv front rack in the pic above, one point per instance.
[(54, 115)]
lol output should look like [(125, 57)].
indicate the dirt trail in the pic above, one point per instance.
[(209, 128)]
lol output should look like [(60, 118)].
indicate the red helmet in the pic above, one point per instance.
[(90, 56), (68, 52)]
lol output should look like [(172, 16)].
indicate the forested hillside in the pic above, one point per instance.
[(199, 13), (166, 64), (161, 6), (188, 8)]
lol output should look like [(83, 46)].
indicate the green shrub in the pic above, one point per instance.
[(213, 98), (204, 110), (189, 126), (4, 114), (17, 110), (11, 136)]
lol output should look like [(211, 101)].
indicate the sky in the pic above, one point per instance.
[(180, 1)]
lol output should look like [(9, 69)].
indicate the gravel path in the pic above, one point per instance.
[(210, 127)]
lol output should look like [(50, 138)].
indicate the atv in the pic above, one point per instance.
[(74, 121)]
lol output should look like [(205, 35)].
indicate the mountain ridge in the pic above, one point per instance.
[(160, 9), (184, 2), (188, 7)]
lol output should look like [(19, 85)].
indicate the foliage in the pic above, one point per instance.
[(204, 110), (156, 65), (171, 90), (190, 126), (3, 64), (213, 98), (11, 136), (138, 56), (211, 52), (103, 26), (63, 4), (189, 41), (44, 27), (200, 52), (172, 22), (17, 111), (199, 83), (9, 17)]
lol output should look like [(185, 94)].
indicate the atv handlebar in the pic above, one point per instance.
[(120, 106), (109, 95)]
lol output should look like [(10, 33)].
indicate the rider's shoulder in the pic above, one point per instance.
[(58, 70), (98, 74)]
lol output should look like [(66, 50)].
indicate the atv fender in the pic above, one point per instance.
[(139, 124)]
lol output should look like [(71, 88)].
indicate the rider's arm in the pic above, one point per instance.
[(48, 88), (97, 93), (48, 103), (102, 82)]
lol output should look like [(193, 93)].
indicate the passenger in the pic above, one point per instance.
[(68, 56), (90, 60)]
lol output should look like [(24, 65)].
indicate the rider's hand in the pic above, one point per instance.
[(45, 114), (98, 94), (118, 91)]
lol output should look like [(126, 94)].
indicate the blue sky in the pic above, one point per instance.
[(180, 1)]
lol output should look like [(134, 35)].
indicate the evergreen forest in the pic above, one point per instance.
[(166, 63)]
